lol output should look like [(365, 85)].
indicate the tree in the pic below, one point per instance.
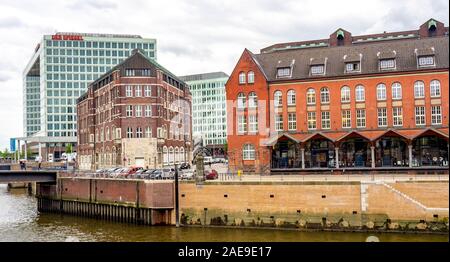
[(69, 148), (5, 153)]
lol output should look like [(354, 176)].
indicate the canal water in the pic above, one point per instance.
[(20, 221)]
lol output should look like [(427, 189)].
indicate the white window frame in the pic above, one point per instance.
[(248, 152), (252, 100), (349, 67), (148, 132), (360, 118), (242, 78), (318, 69), (324, 95), (311, 119), (345, 94), (436, 115), (242, 124), (382, 117), (435, 88), (129, 91), (346, 119), (387, 64), (420, 115), (291, 99), (241, 101), (292, 121), (148, 110), (419, 89), (251, 77), (360, 93), (138, 111), (139, 132), (311, 96), (279, 122), (252, 123), (129, 132), (278, 98), (137, 91), (283, 72), (396, 91), (129, 111), (325, 120), (397, 116), (147, 91), (381, 92), (426, 61)]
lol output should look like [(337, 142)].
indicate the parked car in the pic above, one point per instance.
[(156, 174), (212, 175), (168, 173), (187, 175)]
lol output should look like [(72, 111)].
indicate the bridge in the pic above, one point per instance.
[(11, 176)]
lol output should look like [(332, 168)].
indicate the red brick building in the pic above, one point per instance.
[(363, 102), (136, 114)]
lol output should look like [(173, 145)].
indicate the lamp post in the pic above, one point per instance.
[(177, 208)]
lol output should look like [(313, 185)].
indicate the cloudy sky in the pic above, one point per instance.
[(193, 36)]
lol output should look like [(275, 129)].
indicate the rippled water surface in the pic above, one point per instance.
[(20, 221)]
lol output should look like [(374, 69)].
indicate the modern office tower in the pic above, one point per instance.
[(60, 70), (209, 109)]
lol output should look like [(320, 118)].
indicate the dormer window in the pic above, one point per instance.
[(317, 69), (352, 67), (386, 64), (426, 60), (284, 72)]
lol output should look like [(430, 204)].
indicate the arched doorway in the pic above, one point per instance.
[(354, 151), (319, 152), (430, 149), (286, 154), (391, 150)]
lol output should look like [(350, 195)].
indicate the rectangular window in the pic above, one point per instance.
[(326, 122), (129, 132), (311, 120), (346, 119), (387, 64), (242, 124), (147, 91), (360, 118), (317, 69), (279, 122), (148, 111), (352, 67), (137, 91), (129, 91), (139, 132), (382, 117), (397, 116), (252, 123), (292, 121), (436, 116), (426, 60), (148, 132), (420, 115), (138, 111), (129, 111), (284, 72)]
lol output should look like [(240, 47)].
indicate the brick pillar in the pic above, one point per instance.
[(372, 155)]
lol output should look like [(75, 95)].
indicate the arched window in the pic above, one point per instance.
[(182, 159), (396, 91), (324, 95), (241, 78), (419, 89), (252, 100), (241, 101), (311, 96), (165, 156), (278, 98), (171, 155), (435, 88), (360, 93), (345, 94), (248, 152), (291, 97), (176, 155), (381, 92), (251, 77)]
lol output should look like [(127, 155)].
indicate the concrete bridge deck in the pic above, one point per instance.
[(11, 176)]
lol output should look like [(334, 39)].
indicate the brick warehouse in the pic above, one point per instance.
[(371, 102), (136, 114)]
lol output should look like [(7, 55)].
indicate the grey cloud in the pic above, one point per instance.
[(11, 22)]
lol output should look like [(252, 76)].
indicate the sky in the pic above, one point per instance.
[(193, 36)]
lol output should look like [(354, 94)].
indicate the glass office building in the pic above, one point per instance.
[(209, 118), (61, 69)]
